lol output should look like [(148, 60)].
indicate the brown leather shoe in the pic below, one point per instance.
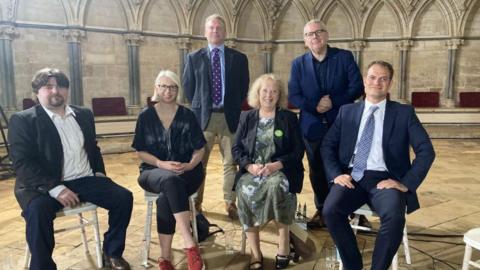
[(115, 263), (316, 221), (231, 209)]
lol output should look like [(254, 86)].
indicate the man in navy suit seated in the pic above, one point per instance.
[(366, 154)]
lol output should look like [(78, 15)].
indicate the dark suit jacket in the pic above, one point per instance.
[(401, 129), (197, 85), (288, 147), (37, 153), (343, 82)]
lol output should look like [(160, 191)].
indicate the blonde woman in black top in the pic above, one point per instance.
[(170, 144)]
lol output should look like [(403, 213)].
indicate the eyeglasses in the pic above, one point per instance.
[(380, 79), (172, 88), (315, 33)]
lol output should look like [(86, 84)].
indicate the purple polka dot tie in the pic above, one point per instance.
[(216, 78), (364, 146)]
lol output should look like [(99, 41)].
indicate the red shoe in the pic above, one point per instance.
[(193, 258), (165, 264)]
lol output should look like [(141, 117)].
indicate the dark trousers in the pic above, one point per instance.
[(389, 204), (102, 191), (173, 190), (316, 171)]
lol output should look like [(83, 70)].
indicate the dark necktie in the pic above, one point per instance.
[(217, 78), (364, 146)]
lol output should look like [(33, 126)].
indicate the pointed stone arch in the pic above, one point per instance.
[(195, 19), (447, 17), (256, 7), (122, 21), (471, 18), (29, 11), (327, 13), (371, 14), (166, 8), (295, 32)]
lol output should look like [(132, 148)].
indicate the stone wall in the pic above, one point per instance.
[(116, 47)]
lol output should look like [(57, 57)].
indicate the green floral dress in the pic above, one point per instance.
[(260, 198)]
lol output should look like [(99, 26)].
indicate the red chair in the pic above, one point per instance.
[(425, 99), (469, 99), (150, 102), (109, 106), (28, 103)]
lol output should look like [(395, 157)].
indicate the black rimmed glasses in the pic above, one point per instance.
[(315, 33), (171, 88)]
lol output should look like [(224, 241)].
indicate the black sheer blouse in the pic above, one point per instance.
[(174, 144)]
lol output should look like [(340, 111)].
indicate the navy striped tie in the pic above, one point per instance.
[(364, 146)]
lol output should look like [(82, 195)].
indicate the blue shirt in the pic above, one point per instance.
[(222, 68)]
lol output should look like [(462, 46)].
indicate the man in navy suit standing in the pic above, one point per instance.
[(366, 154), (321, 81), (215, 81)]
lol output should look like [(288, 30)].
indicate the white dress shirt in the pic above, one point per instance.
[(75, 159), (375, 159)]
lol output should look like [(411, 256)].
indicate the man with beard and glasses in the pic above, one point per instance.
[(58, 164)]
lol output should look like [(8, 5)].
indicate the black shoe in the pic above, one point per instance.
[(282, 261), (363, 221), (316, 221), (115, 263)]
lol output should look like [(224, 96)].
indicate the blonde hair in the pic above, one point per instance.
[(217, 17), (254, 91), (167, 74)]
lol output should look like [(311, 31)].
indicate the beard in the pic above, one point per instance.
[(56, 101)]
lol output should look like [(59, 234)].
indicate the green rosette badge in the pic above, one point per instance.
[(278, 133)]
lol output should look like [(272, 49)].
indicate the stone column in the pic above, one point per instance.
[(74, 37), (267, 50), (449, 93), (357, 48), (183, 45), (133, 41), (7, 71), (403, 46)]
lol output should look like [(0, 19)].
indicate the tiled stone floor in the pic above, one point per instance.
[(449, 198)]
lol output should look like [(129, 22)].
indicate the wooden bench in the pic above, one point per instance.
[(109, 106), (426, 99), (469, 100)]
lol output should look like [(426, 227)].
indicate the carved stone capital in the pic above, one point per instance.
[(404, 45), (357, 45), (8, 32), (231, 43), (453, 44), (184, 43), (268, 47), (133, 39), (74, 35)]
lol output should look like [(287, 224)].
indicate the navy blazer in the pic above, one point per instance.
[(37, 153), (401, 129), (197, 85), (289, 146), (343, 82)]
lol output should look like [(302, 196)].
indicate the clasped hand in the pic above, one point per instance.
[(345, 180), (262, 169), (174, 166)]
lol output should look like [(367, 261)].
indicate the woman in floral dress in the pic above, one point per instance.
[(269, 149)]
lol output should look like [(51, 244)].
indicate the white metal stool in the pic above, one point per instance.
[(78, 210), (367, 211), (150, 198), (472, 240)]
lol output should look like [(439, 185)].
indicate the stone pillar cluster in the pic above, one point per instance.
[(133, 41), (74, 38), (403, 46), (7, 71), (452, 47)]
